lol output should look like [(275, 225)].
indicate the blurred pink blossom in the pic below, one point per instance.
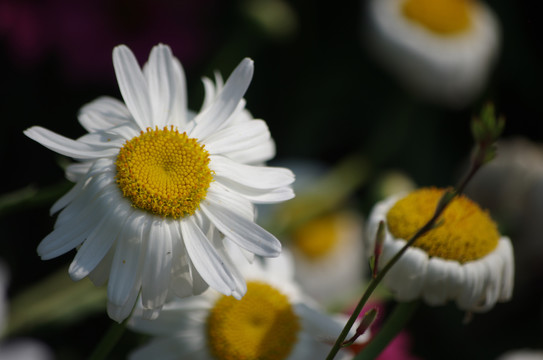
[(82, 34)]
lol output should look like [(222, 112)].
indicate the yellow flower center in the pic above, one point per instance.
[(440, 16), (466, 233), (317, 237), (164, 172), (262, 325)]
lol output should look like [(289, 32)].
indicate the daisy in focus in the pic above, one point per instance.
[(274, 320), (160, 190), (463, 259), (443, 50)]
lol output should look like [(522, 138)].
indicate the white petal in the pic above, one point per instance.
[(69, 235), (237, 137), (472, 293), (99, 241), (220, 243), (100, 273), (181, 279), (206, 259), (199, 285), (262, 196), (160, 75), (435, 288), (505, 250), (255, 155), (67, 198), (178, 113), (119, 313), (91, 194), (319, 325), (258, 177), (241, 231), (76, 171), (406, 278), (128, 260), (103, 113), (133, 86), (226, 101), (209, 92), (219, 194), (66, 146), (157, 265)]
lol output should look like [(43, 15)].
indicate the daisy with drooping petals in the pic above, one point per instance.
[(443, 50), (273, 321), (159, 188), (463, 259)]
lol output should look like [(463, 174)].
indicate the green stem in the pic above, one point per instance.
[(395, 323), (445, 200), (108, 342), (375, 281)]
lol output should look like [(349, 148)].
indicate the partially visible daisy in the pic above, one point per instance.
[(328, 251), (522, 354), (464, 259), (17, 349), (441, 49), (159, 188), (274, 321)]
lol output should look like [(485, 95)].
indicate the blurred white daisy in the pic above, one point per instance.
[(274, 321), (19, 348), (158, 187), (328, 251), (522, 354), (441, 49), (464, 259)]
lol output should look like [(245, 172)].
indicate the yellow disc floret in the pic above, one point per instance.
[(164, 172), (262, 325), (317, 237), (440, 16), (466, 233)]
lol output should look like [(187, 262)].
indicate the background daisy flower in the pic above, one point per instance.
[(328, 250), (443, 50), (463, 259), (14, 349), (160, 190), (274, 320)]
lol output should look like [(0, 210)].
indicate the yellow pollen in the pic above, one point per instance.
[(164, 172), (466, 233), (317, 237), (440, 16), (262, 325)]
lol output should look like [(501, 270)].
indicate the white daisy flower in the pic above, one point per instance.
[(327, 251), (274, 321), (441, 49), (464, 259), (158, 187)]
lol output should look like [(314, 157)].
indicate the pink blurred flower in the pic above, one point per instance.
[(81, 34)]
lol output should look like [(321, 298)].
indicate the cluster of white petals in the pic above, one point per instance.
[(475, 285), (133, 250)]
